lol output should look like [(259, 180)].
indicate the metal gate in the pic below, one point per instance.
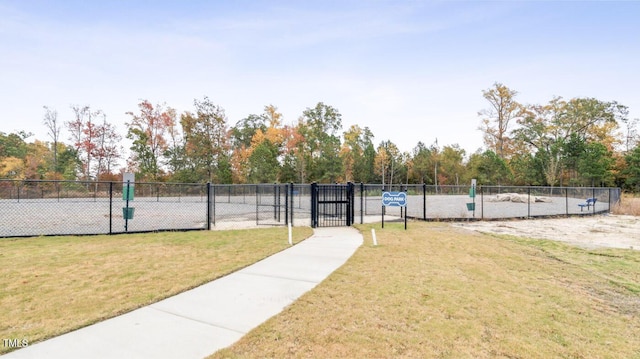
[(331, 205)]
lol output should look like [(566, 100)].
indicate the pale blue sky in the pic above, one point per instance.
[(409, 70)]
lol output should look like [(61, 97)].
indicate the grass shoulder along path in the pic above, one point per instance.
[(435, 291), (52, 285)]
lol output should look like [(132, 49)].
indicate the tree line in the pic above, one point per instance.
[(576, 142)]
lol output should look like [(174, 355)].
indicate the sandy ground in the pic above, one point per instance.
[(590, 232), (598, 231)]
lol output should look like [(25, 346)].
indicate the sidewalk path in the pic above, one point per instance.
[(196, 323)]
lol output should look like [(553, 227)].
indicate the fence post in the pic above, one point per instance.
[(528, 202), (292, 202), (126, 219), (594, 196), (349, 203), (566, 200), (286, 204), (276, 202), (208, 205), (257, 204), (279, 203), (110, 207), (365, 199), (361, 202), (382, 206), (424, 201), (314, 203), (481, 203), (353, 203), (213, 196)]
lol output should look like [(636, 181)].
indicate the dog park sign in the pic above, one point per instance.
[(395, 199)]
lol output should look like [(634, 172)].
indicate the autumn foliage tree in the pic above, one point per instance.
[(242, 135), (580, 141), (108, 149), (292, 167), (13, 151), (83, 136), (148, 130), (502, 111), (422, 164), (560, 130), (96, 142), (358, 154), (387, 162), (260, 147), (632, 170), (53, 131), (266, 149), (320, 151), (206, 141)]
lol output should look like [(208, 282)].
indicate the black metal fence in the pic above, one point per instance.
[(487, 202), (34, 208)]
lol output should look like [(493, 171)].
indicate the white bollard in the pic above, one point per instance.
[(373, 234), (290, 238)]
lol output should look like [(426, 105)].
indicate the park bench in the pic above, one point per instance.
[(590, 202)]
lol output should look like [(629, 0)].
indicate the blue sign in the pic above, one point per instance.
[(394, 199)]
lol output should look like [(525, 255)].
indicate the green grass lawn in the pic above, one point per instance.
[(432, 291), (52, 285), (435, 291)]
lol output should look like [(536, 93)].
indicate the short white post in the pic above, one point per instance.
[(373, 234), (290, 238)]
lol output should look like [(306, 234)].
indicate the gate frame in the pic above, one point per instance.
[(348, 201)]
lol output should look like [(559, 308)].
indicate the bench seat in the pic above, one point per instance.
[(589, 202)]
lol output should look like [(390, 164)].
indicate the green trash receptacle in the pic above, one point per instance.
[(127, 212), (471, 206)]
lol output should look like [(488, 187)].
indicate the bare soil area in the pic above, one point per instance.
[(614, 231)]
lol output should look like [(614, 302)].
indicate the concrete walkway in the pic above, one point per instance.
[(196, 323)]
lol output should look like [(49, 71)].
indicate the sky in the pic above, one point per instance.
[(409, 70)]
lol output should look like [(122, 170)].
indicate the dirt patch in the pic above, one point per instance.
[(615, 231)]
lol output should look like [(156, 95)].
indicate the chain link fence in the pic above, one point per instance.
[(243, 205), (428, 202), (35, 208)]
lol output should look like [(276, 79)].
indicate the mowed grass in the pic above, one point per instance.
[(434, 291), (52, 285)]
